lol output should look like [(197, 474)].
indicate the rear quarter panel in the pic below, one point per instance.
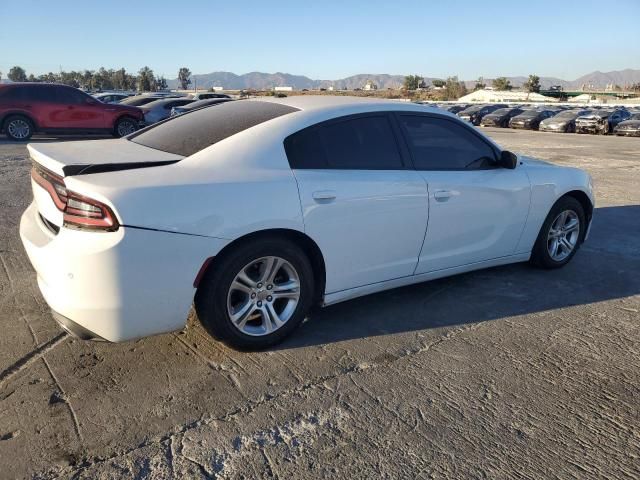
[(240, 185)]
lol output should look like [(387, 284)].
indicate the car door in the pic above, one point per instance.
[(76, 110), (361, 204), (477, 211)]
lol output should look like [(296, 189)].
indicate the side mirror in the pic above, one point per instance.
[(91, 101), (508, 160)]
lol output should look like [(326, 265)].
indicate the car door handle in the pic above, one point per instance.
[(321, 195), (442, 194)]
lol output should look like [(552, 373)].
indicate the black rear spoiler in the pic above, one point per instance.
[(86, 169)]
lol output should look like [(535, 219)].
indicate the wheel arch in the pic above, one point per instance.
[(584, 200), (308, 245), (21, 114)]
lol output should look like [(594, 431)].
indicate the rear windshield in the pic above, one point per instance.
[(194, 131)]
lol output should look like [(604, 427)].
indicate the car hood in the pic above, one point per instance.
[(594, 116), (535, 162), (95, 156)]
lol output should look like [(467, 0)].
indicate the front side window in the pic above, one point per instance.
[(361, 143), (442, 144)]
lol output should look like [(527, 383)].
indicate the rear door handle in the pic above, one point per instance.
[(324, 195), (442, 194)]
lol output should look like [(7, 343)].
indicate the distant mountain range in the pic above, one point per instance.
[(263, 81)]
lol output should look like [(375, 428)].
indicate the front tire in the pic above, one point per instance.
[(257, 294), (125, 126), (18, 128), (561, 234)]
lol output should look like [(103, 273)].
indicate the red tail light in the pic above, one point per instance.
[(78, 211)]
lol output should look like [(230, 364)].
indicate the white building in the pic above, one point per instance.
[(493, 96), (370, 85), (282, 89)]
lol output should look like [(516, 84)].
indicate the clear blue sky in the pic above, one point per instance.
[(324, 39)]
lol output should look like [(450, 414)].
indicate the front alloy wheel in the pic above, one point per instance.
[(563, 235), (263, 296)]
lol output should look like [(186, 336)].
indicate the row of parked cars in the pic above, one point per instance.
[(598, 120), (28, 108), (156, 107)]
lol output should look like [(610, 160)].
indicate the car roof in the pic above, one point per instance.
[(330, 102)]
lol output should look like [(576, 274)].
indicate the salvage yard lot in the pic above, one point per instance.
[(503, 373)]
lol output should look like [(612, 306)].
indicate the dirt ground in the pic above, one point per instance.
[(506, 373)]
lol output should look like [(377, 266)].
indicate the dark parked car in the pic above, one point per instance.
[(601, 121), (161, 109), (501, 117), (630, 127), (530, 119), (455, 108), (564, 121), (111, 97), (208, 95), (199, 104), (475, 113), (139, 100), (28, 108)]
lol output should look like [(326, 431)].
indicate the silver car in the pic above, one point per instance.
[(160, 109), (564, 122)]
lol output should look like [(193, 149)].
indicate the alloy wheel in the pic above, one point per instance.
[(563, 235), (125, 128), (19, 129), (263, 296)]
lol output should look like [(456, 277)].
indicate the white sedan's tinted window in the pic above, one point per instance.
[(441, 144), (363, 143)]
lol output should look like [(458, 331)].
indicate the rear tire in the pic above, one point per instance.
[(124, 126), (18, 128), (561, 234), (257, 294)]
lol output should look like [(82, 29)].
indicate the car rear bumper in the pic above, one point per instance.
[(115, 286)]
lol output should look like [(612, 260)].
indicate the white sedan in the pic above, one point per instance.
[(264, 208)]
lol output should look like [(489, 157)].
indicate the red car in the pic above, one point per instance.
[(28, 108)]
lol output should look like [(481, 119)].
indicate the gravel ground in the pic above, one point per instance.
[(510, 373)]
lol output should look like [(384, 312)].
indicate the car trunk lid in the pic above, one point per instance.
[(95, 156), (53, 162)]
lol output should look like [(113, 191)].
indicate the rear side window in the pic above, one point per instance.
[(442, 144), (194, 131), (69, 96), (362, 143)]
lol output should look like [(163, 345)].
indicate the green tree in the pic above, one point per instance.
[(17, 74), (480, 84), (146, 80), (413, 82), (533, 84), (502, 83), (438, 83), (454, 88), (162, 83), (183, 77)]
